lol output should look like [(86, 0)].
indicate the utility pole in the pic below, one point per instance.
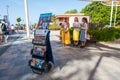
[(27, 17), (111, 14), (115, 14), (7, 11)]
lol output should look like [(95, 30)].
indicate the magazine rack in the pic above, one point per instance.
[(42, 58)]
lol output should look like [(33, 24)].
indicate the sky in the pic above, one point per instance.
[(36, 7)]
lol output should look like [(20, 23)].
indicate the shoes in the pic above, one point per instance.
[(82, 46), (6, 42)]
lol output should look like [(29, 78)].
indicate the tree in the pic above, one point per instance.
[(19, 20), (99, 13), (71, 11), (53, 18), (35, 25)]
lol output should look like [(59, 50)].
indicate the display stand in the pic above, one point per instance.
[(42, 59)]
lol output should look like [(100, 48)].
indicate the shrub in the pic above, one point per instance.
[(54, 27), (71, 32), (105, 34)]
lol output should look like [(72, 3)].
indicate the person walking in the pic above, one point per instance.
[(17, 28), (76, 31), (12, 29), (83, 34), (65, 33), (4, 30), (0, 33)]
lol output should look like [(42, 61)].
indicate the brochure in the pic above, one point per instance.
[(40, 50)]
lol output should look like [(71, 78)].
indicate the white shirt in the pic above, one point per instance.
[(12, 27), (84, 26), (76, 25)]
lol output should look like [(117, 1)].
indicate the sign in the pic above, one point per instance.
[(44, 20)]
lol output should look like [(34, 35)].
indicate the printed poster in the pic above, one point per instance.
[(44, 20)]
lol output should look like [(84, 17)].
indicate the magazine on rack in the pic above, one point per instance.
[(40, 39), (37, 63), (41, 32), (39, 50), (40, 36)]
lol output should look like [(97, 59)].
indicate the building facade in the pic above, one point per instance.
[(70, 18)]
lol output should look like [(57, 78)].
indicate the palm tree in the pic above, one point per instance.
[(54, 17), (18, 21)]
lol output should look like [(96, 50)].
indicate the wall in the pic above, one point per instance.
[(71, 19)]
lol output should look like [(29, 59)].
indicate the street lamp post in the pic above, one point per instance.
[(115, 3), (111, 14), (27, 17), (115, 15), (7, 11)]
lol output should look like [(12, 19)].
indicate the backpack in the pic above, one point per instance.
[(3, 27)]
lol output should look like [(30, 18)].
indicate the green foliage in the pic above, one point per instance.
[(53, 18), (71, 11), (71, 32), (100, 13), (105, 34), (54, 27), (18, 19), (117, 33), (35, 25)]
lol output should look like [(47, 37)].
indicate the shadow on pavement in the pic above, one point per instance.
[(95, 68), (71, 54), (69, 62), (105, 46)]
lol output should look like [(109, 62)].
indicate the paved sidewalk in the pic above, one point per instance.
[(95, 62), (11, 39)]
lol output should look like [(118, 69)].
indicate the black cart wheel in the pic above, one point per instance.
[(37, 71), (48, 67)]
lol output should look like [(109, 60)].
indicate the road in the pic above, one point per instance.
[(94, 62)]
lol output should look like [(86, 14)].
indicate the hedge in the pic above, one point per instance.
[(54, 27), (102, 34), (105, 34)]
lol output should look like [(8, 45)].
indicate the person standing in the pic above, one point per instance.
[(0, 32), (4, 30), (65, 33), (76, 31), (12, 29), (17, 28), (83, 34)]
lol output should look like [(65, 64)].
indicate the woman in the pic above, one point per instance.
[(65, 34), (76, 31), (83, 35)]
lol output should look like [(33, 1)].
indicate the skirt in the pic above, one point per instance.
[(5, 32), (76, 35), (83, 35)]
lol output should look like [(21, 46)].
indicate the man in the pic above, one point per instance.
[(4, 30)]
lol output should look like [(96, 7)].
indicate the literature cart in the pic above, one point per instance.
[(42, 59)]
